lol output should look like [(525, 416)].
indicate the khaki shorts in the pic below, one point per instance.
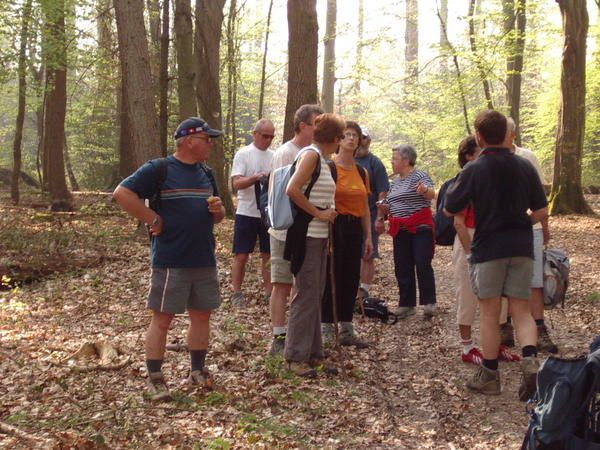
[(506, 277), (175, 290), (466, 300), (280, 268)]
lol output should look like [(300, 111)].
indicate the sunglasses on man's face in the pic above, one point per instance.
[(267, 136), (208, 139)]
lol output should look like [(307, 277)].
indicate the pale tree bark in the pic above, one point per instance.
[(477, 57), (329, 57), (134, 56), (443, 40), (232, 79), (567, 195), (411, 41), (36, 65), (358, 66), (303, 44), (263, 76), (22, 72), (56, 104), (207, 43), (163, 115), (514, 29), (184, 44)]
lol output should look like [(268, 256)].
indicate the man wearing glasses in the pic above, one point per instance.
[(184, 269), (250, 164)]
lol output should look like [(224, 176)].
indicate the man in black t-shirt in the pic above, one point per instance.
[(502, 188)]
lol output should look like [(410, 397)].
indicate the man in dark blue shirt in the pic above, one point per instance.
[(184, 272), (379, 185), (502, 188)]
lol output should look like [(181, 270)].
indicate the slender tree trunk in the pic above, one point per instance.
[(16, 173), (329, 58), (134, 56), (459, 77), (567, 195), (477, 57), (127, 162), (231, 65), (153, 13), (69, 167), (263, 76), (207, 43), (514, 29), (37, 75), (184, 43), (303, 44), (411, 40), (164, 78), (56, 105), (358, 66), (443, 41)]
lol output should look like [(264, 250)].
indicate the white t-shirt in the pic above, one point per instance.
[(284, 155), (530, 156), (249, 161)]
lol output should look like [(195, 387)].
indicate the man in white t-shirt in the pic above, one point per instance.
[(250, 164), (541, 236), (281, 276)]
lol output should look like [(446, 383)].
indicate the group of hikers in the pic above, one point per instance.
[(326, 259)]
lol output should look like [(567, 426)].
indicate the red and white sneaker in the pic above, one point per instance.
[(506, 355), (474, 357)]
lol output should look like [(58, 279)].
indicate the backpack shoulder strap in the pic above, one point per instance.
[(333, 170), (363, 174), (211, 177), (161, 175)]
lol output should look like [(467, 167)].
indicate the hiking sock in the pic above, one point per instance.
[(491, 364), (467, 345), (529, 350), (365, 286), (154, 365), (279, 331), (539, 322), (197, 358)]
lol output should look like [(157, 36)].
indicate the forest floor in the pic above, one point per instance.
[(87, 278)]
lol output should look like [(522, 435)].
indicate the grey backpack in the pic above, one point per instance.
[(556, 277)]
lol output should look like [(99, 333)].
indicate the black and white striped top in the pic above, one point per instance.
[(403, 198)]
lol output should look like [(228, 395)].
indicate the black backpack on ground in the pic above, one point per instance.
[(443, 225), (376, 309), (565, 410)]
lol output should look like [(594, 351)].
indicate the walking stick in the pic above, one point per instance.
[(333, 290)]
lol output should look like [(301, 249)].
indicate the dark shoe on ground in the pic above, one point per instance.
[(277, 345), (352, 340), (238, 300), (319, 365), (429, 310), (485, 381), (301, 369), (507, 335), (505, 354), (544, 343), (157, 387), (402, 312), (474, 357), (529, 370)]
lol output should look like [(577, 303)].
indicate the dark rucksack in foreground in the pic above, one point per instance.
[(566, 412), (376, 309), (443, 225)]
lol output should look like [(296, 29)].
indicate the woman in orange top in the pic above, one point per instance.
[(351, 238)]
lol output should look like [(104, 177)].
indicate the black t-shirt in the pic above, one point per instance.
[(502, 187)]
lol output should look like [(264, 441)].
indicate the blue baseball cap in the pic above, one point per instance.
[(195, 125)]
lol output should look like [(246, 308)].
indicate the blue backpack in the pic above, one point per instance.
[(443, 225), (565, 410)]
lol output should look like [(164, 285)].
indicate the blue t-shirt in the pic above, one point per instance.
[(187, 238), (378, 178)]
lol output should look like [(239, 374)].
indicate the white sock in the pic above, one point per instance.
[(365, 286), (467, 345), (277, 331)]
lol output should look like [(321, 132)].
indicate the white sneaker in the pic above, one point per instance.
[(404, 311)]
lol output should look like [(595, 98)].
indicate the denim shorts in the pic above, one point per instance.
[(245, 232)]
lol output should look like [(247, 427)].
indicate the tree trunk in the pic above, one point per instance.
[(329, 58), (567, 195), (164, 79), (153, 12), (133, 52), (411, 40), (303, 52), (56, 104), (514, 29), (263, 76), (207, 43), (231, 64), (184, 42), (477, 57), (358, 66), (16, 173), (37, 75), (443, 40), (127, 162), (69, 167)]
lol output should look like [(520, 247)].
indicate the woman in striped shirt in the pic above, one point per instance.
[(411, 226)]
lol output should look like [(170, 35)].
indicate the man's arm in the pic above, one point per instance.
[(539, 215), (134, 205), (240, 182), (461, 231)]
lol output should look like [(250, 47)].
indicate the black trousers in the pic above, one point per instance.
[(347, 249)]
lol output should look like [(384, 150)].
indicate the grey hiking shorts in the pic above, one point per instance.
[(175, 290), (506, 277)]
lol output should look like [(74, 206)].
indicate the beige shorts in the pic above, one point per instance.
[(280, 268), (506, 277), (466, 300)]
